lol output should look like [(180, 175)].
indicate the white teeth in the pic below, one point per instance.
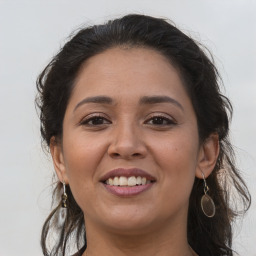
[(138, 180), (123, 181), (130, 181), (116, 181)]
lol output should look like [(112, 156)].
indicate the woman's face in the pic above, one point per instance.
[(129, 116)]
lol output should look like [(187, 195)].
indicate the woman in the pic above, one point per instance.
[(138, 131)]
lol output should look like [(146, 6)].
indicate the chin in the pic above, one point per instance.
[(128, 221)]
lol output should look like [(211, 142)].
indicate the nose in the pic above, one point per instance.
[(127, 143)]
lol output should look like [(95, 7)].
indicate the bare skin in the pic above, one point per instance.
[(145, 120)]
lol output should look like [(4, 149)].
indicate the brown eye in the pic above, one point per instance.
[(95, 121), (160, 120)]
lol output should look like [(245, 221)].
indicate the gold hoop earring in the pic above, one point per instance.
[(207, 204)]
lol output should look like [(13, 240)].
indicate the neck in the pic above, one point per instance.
[(166, 240)]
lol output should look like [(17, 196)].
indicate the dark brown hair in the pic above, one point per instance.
[(213, 111)]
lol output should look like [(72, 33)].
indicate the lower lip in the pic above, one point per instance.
[(128, 191)]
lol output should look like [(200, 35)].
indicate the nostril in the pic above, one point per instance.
[(115, 155), (126, 151)]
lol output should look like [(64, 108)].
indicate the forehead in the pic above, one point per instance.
[(124, 72)]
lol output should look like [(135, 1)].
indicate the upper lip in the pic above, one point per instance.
[(127, 172)]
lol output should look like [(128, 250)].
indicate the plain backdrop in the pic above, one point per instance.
[(31, 32)]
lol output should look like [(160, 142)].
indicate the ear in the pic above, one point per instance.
[(58, 160), (208, 156)]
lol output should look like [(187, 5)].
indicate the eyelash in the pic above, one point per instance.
[(95, 117), (100, 117), (158, 117)]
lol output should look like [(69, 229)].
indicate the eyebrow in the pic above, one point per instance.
[(160, 99), (143, 100), (95, 99)]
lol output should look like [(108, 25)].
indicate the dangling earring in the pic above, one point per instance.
[(64, 196), (63, 210), (207, 204)]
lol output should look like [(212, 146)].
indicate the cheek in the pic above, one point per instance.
[(177, 158), (82, 152), (179, 149), (82, 158)]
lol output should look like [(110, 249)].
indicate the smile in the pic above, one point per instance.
[(127, 181)]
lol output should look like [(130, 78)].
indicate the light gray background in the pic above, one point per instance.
[(32, 31)]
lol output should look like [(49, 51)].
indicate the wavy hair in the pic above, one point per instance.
[(213, 111)]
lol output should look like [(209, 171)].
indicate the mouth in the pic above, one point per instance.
[(127, 182)]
